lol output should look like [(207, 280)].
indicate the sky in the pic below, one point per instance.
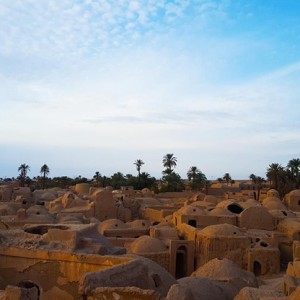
[(93, 85)]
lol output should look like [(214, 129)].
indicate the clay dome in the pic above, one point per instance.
[(295, 193), (139, 224), (147, 244), (281, 213), (111, 224), (219, 211), (225, 270), (168, 232), (273, 203), (249, 203), (37, 210), (272, 193), (146, 191), (191, 210), (226, 230), (198, 197), (48, 196), (210, 199), (202, 204)]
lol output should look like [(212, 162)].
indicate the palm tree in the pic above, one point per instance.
[(23, 169), (138, 163), (196, 177), (169, 161), (192, 173), (227, 178), (258, 181), (294, 167), (97, 178), (44, 171), (274, 172)]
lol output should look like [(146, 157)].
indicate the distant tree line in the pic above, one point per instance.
[(283, 179)]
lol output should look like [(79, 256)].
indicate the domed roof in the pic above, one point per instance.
[(295, 193), (138, 224), (219, 211), (273, 203), (198, 197), (146, 191), (37, 210), (225, 203), (224, 269), (225, 230), (168, 232), (191, 210), (48, 196), (281, 213), (210, 199), (111, 224), (147, 244), (272, 193), (249, 203)]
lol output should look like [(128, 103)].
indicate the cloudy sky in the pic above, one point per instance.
[(93, 85)]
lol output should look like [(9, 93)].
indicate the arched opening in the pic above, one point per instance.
[(35, 289), (193, 223), (181, 262), (42, 229), (157, 280), (235, 208), (256, 268)]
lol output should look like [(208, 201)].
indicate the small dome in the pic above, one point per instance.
[(111, 224), (281, 213), (198, 197), (139, 224), (295, 193), (225, 230), (37, 210), (219, 211), (48, 196), (147, 244), (210, 199), (272, 193), (224, 270), (273, 203), (191, 210), (249, 203)]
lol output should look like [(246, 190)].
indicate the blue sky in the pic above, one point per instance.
[(93, 85)]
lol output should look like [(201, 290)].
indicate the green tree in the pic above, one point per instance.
[(196, 178), (227, 178), (259, 182), (138, 163), (169, 162), (97, 178), (117, 180), (23, 169), (44, 172), (294, 167), (275, 173), (172, 183)]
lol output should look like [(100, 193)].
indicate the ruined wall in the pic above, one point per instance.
[(57, 274), (233, 248)]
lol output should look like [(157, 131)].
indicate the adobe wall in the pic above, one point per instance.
[(203, 221), (56, 273), (233, 248), (161, 258), (157, 214)]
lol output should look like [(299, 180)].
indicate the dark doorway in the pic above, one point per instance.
[(235, 208), (181, 262), (256, 268), (30, 285), (193, 223)]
